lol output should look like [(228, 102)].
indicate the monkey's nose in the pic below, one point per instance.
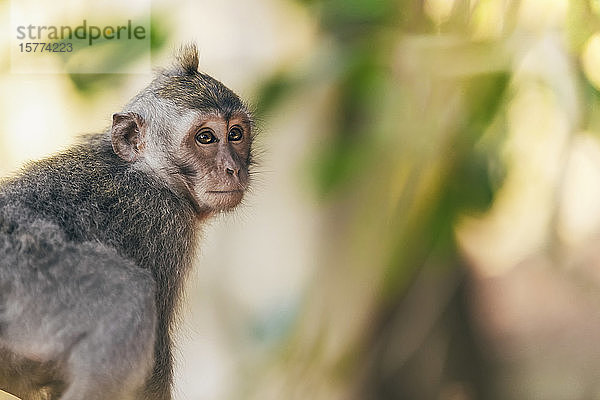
[(230, 171)]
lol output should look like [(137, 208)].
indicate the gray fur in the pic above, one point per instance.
[(95, 246)]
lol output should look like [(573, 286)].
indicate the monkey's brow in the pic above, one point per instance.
[(244, 118), (237, 116)]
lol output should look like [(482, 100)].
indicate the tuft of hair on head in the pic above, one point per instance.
[(187, 59)]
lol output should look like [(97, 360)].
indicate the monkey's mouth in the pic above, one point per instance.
[(222, 200)]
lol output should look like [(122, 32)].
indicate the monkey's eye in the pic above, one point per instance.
[(205, 137), (235, 134)]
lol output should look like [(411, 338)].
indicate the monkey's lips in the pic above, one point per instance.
[(224, 199), (225, 191)]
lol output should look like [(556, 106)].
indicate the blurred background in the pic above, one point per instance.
[(425, 218)]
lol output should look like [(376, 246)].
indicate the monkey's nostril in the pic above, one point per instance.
[(229, 171)]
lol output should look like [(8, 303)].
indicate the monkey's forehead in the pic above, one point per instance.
[(236, 117), (200, 92)]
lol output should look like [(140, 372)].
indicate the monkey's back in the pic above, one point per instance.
[(60, 277), (92, 195), (42, 274)]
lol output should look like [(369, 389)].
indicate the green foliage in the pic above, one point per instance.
[(380, 119), (104, 56)]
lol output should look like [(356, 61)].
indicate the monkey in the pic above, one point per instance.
[(97, 241)]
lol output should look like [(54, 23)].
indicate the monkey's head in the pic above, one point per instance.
[(190, 130)]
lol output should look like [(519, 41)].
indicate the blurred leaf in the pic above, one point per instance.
[(484, 94), (591, 99), (159, 32), (272, 92), (352, 146), (465, 186), (582, 23), (105, 53)]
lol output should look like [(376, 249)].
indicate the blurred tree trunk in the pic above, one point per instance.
[(402, 161)]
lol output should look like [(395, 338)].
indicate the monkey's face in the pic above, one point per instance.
[(207, 159), (216, 157), (191, 131)]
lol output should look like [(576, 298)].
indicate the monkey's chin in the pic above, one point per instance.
[(223, 200)]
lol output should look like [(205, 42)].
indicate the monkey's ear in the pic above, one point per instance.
[(128, 135)]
